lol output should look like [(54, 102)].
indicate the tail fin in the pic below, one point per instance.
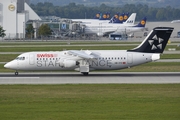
[(126, 16), (121, 18), (131, 19), (105, 16), (142, 23), (97, 16), (117, 18), (156, 41), (108, 15)]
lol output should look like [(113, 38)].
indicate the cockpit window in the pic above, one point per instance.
[(20, 58)]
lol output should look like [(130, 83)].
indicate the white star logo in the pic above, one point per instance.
[(154, 46)]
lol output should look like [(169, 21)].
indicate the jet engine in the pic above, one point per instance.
[(68, 63), (100, 34)]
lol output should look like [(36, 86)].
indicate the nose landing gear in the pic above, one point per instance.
[(85, 73), (16, 73)]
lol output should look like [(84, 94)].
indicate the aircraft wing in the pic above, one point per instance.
[(107, 33), (84, 54)]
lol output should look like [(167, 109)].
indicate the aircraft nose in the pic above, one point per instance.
[(11, 65), (7, 65)]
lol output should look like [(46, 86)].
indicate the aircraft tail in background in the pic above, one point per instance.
[(117, 18), (142, 23), (125, 17), (104, 16), (156, 41), (97, 16), (131, 19)]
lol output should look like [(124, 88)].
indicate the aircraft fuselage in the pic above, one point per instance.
[(108, 59)]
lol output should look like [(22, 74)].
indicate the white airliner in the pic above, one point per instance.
[(175, 21), (104, 28), (129, 21), (87, 60)]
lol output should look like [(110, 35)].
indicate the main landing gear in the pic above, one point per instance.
[(85, 73), (16, 73)]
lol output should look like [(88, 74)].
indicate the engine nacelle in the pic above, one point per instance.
[(68, 63), (100, 34)]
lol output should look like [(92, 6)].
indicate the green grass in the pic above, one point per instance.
[(87, 102), (7, 57), (17, 43), (33, 46), (155, 67), (170, 56), (60, 48)]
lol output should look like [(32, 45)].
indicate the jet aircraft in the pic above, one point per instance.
[(102, 29), (130, 19), (85, 61)]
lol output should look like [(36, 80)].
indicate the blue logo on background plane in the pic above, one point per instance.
[(142, 23), (108, 15), (104, 16), (121, 18), (97, 16), (126, 16)]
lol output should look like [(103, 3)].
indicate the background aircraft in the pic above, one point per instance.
[(131, 29), (104, 18), (87, 60), (102, 29)]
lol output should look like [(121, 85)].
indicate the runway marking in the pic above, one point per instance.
[(20, 77)]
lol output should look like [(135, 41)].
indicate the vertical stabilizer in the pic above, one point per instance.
[(142, 23), (156, 41), (131, 19)]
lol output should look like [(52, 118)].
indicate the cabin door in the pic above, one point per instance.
[(129, 58), (31, 59)]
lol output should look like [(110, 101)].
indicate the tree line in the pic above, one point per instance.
[(79, 11)]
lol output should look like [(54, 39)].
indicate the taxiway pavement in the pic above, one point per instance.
[(92, 78)]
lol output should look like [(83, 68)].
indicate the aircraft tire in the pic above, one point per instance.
[(85, 73), (16, 73)]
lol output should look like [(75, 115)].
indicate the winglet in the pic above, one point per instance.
[(156, 41)]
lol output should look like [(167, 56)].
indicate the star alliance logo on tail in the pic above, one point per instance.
[(156, 46)]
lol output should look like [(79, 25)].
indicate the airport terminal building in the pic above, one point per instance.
[(16, 14), (13, 17)]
